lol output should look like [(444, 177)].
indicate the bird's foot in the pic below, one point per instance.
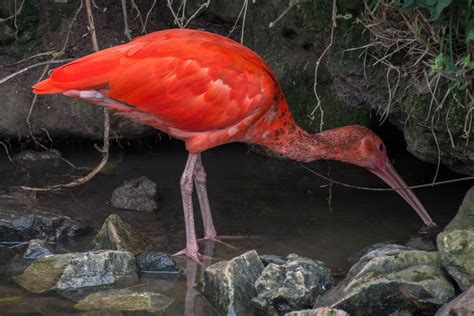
[(220, 239), (194, 255)]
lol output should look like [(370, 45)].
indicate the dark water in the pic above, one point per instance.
[(282, 207)]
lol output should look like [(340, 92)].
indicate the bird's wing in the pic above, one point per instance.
[(192, 81)]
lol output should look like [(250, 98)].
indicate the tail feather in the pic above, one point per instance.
[(87, 73)]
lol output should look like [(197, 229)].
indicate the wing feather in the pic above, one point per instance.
[(190, 80)]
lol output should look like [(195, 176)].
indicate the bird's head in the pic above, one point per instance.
[(365, 149)]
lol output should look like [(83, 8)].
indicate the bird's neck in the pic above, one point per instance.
[(278, 132)]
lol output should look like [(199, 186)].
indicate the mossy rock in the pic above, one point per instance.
[(383, 282), (229, 285), (125, 301), (117, 234)]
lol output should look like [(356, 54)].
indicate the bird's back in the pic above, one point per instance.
[(191, 81)]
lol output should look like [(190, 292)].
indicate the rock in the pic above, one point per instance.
[(464, 218), (267, 259), (322, 311), (461, 305), (229, 285), (38, 248), (456, 249), (96, 269), (291, 286), (116, 234), (18, 223), (43, 274), (78, 271), (125, 300), (422, 243), (135, 194), (456, 244), (32, 159), (157, 262), (378, 249), (388, 280)]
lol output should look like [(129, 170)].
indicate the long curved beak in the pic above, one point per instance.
[(391, 177)]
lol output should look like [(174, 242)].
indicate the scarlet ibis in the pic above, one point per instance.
[(208, 90)]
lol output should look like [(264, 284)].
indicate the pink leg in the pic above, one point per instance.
[(209, 228), (200, 182), (192, 249)]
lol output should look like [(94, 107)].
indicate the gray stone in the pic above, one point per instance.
[(291, 286), (463, 305), (464, 218), (377, 249), (126, 301), (422, 243), (321, 311), (229, 285), (136, 194), (267, 259), (78, 271), (385, 281), (157, 262), (30, 159), (19, 223), (38, 248), (456, 249), (456, 244), (43, 274), (94, 269), (117, 234)]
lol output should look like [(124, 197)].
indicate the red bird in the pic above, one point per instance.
[(208, 90)]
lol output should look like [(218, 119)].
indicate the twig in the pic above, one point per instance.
[(106, 140), (14, 15), (318, 62), (73, 20), (126, 30), (285, 12), (243, 11), (90, 18), (7, 151), (10, 76), (147, 16), (411, 187)]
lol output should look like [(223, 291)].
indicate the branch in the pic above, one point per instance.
[(106, 140), (10, 76), (14, 15)]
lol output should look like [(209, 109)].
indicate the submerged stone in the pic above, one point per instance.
[(291, 286), (18, 223), (126, 301), (31, 159), (75, 271), (38, 248), (387, 281), (136, 194), (43, 274), (157, 262), (456, 243), (461, 305), (229, 285), (117, 234), (321, 311)]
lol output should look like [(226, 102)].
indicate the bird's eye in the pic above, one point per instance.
[(381, 147)]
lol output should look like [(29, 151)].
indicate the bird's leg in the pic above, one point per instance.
[(192, 249), (200, 182), (208, 223)]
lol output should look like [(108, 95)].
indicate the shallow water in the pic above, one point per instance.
[(282, 207)]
